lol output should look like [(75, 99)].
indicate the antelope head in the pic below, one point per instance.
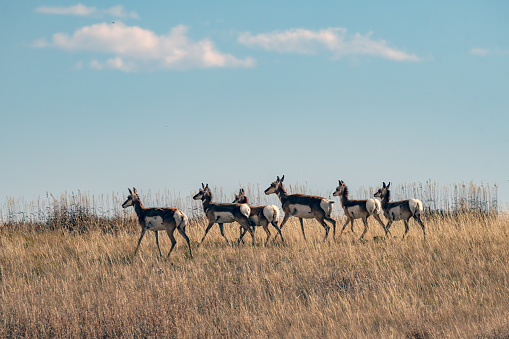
[(382, 192), (274, 187), (204, 192), (241, 198), (340, 189), (131, 199)]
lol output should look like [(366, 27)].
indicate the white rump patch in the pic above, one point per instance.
[(326, 206), (154, 223), (300, 211), (415, 206), (180, 219), (245, 209), (378, 206), (222, 217), (271, 213), (373, 206)]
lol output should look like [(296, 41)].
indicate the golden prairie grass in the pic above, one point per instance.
[(69, 284)]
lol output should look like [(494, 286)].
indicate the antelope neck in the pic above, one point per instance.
[(281, 193), (138, 207), (386, 198), (344, 197), (206, 200)]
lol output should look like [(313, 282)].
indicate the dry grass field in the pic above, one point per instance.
[(56, 283)]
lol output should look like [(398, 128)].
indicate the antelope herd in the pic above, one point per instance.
[(297, 205)]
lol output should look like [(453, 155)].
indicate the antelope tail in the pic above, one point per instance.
[(415, 206), (183, 221)]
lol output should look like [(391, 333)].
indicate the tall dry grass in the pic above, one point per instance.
[(56, 283)]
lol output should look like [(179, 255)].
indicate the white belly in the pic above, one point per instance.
[(223, 217), (154, 223), (354, 212), (395, 213), (300, 211)]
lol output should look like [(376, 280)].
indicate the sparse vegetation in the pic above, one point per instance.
[(84, 281)]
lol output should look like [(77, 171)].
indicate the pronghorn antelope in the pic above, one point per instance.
[(157, 219), (223, 213), (260, 215), (358, 209), (303, 207), (400, 210)]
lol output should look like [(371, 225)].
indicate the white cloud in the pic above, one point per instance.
[(82, 10), (479, 51), (136, 49), (333, 39)]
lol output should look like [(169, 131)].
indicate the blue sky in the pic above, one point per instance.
[(100, 96)]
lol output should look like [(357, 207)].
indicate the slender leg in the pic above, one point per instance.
[(265, 225), (322, 222), (274, 223), (184, 235), (172, 239), (245, 224), (418, 218), (377, 217), (406, 229), (243, 233), (139, 241), (344, 226), (365, 221), (221, 228), (389, 224), (302, 228), (351, 227), (206, 231), (285, 219), (333, 222), (157, 242)]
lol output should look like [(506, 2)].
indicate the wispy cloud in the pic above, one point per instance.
[(479, 51), (483, 52), (133, 48), (82, 10), (335, 40)]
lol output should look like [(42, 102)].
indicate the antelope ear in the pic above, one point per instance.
[(207, 186), (383, 185), (282, 178), (202, 185), (134, 190), (278, 178), (130, 192), (388, 185), (242, 191)]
